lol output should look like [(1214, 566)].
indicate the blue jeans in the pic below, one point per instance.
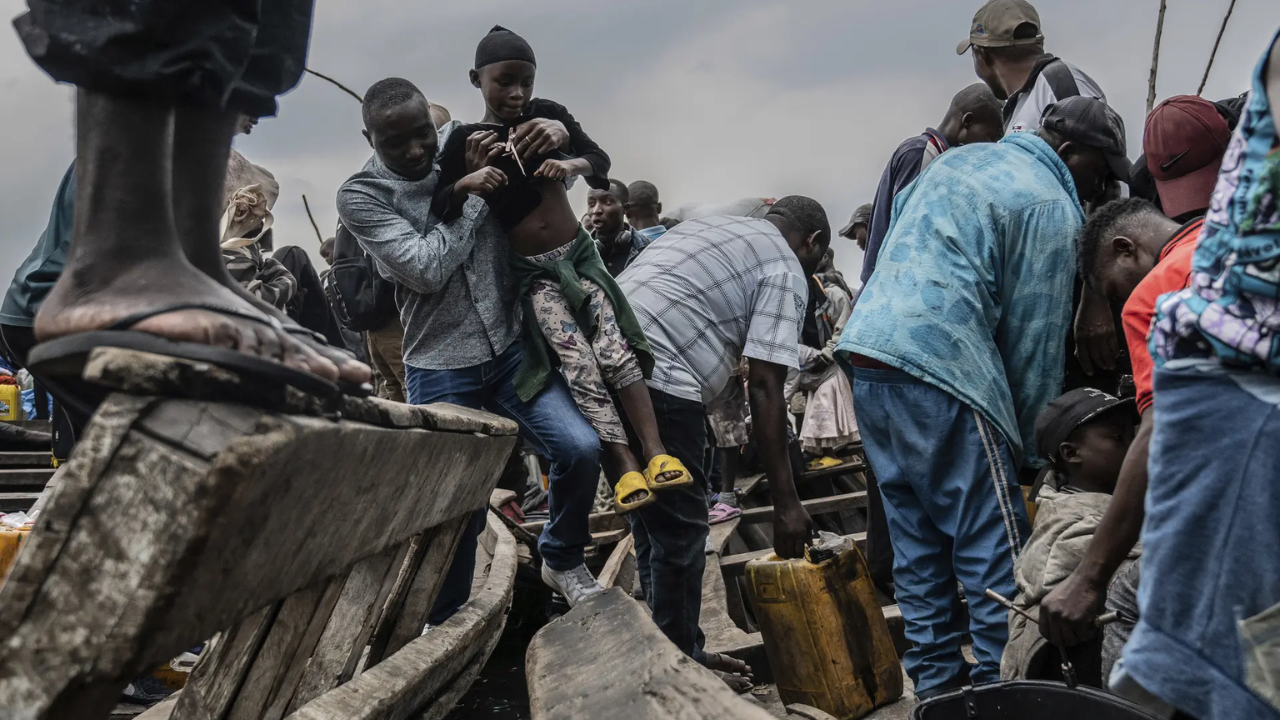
[(671, 534), (955, 512), (552, 423), (1210, 561)]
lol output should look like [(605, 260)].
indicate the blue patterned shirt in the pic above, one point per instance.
[(1231, 308), (972, 290)]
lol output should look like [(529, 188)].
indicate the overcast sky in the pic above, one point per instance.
[(710, 100)]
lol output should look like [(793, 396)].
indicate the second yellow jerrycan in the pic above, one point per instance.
[(824, 632)]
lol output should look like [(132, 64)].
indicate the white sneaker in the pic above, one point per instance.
[(575, 585)]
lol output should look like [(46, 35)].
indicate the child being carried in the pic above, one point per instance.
[(570, 301)]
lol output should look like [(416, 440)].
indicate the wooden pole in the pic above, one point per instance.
[(342, 87), (310, 217), (1155, 59), (1204, 80)]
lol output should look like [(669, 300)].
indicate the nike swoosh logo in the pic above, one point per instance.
[(1173, 160)]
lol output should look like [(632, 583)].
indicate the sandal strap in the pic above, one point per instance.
[(129, 321)]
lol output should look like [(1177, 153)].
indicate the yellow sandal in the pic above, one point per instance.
[(664, 464), (629, 485)]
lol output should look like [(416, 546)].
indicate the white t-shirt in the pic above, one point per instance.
[(713, 290), (1030, 105)]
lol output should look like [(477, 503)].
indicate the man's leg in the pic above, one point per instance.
[(125, 254), (879, 547), (386, 356), (275, 65), (556, 428), (463, 387), (676, 528), (900, 439), (978, 502)]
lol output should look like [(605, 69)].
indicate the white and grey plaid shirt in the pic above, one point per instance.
[(713, 290)]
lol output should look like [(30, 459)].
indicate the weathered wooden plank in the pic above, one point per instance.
[(99, 443), (221, 521), (444, 701), (411, 680), (276, 654), (350, 625), (425, 585), (162, 710), (27, 458), (15, 501), (722, 634), (809, 713), (817, 506), (607, 521), (217, 678), (24, 477), (614, 567), (735, 565), (606, 659)]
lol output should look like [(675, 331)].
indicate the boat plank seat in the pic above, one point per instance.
[(302, 541), (606, 659)]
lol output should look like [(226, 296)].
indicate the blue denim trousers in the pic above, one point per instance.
[(1211, 542), (671, 534), (550, 421), (955, 512)]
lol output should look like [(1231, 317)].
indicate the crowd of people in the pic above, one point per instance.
[(1037, 318)]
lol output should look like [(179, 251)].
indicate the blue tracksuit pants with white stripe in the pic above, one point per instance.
[(955, 513)]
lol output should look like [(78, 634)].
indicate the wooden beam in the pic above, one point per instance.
[(39, 460), (604, 522), (606, 659), (818, 506), (426, 673), (615, 567)]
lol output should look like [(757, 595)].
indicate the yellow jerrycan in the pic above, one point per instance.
[(824, 632)]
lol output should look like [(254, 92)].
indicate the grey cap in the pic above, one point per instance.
[(861, 216), (1091, 123)]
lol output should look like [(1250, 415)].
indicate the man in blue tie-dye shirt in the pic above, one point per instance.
[(957, 343)]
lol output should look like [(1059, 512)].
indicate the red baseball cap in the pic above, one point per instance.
[(1184, 141)]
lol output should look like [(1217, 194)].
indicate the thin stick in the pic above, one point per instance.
[(310, 217), (342, 87), (1155, 59), (1214, 54), (1099, 621)]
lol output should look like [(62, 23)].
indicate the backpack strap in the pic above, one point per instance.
[(1061, 81)]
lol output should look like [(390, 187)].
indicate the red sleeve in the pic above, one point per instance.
[(1136, 318)]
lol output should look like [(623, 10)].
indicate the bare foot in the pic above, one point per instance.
[(80, 304), (349, 368)]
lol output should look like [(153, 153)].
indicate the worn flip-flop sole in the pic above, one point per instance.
[(65, 359)]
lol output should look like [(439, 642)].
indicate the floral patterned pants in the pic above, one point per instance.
[(590, 365)]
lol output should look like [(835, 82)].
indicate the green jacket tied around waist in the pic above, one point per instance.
[(581, 263)]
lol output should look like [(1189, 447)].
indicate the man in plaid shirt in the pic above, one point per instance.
[(706, 293)]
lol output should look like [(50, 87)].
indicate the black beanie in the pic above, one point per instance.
[(501, 45)]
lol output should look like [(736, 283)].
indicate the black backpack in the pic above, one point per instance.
[(360, 297)]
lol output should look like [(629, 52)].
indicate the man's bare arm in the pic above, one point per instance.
[(792, 527)]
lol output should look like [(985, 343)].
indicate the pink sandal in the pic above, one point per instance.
[(722, 513)]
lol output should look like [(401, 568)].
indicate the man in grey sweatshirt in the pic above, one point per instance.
[(462, 318)]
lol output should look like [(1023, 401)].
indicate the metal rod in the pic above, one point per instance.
[(1204, 80)]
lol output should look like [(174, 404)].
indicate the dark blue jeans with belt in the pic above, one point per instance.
[(553, 424), (671, 533)]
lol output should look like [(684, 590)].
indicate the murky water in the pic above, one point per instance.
[(501, 692)]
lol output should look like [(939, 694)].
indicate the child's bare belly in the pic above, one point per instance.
[(549, 226)]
